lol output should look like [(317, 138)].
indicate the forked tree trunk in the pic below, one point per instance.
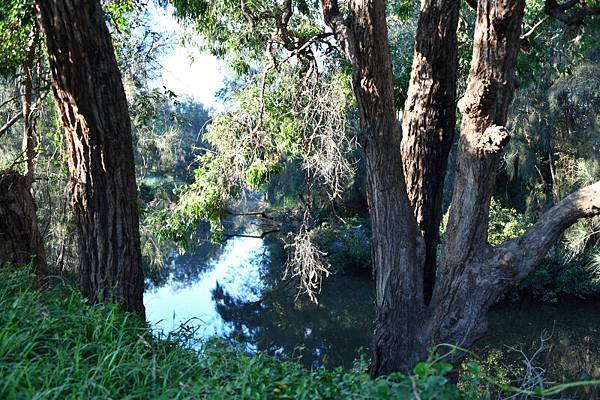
[(20, 239), (429, 122), (91, 99), (472, 274)]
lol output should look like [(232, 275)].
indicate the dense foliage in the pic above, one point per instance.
[(552, 152), (287, 140)]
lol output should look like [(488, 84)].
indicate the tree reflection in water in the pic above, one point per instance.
[(236, 291), (329, 333)]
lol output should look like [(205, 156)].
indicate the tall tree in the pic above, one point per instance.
[(472, 274), (90, 97), (397, 245)]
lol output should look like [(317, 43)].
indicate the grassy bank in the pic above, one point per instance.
[(54, 346)]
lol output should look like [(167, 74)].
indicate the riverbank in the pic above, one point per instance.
[(54, 346)]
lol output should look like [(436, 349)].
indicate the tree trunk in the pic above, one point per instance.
[(92, 104), (472, 274), (396, 240), (468, 281), (20, 239), (27, 98), (429, 121)]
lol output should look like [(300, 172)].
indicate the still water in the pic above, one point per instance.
[(235, 291)]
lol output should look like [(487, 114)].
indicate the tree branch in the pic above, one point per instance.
[(18, 116), (288, 11), (334, 20), (244, 235), (472, 4), (261, 214), (533, 28), (521, 255), (9, 101), (10, 123), (575, 18)]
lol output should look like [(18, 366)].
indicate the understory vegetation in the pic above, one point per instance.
[(55, 346)]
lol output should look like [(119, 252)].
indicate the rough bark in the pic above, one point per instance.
[(472, 274), (93, 108), (397, 248), (467, 282), (429, 121), (20, 239)]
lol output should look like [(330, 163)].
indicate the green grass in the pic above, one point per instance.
[(54, 346)]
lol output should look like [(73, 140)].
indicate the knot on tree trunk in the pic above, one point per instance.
[(493, 140), (20, 239)]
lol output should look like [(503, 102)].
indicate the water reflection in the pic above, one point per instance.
[(329, 332), (236, 291), (573, 327), (185, 293)]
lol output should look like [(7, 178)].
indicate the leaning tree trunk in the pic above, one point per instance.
[(20, 239), (92, 104), (429, 121), (467, 283)]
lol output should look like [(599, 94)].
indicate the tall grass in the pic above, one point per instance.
[(55, 346)]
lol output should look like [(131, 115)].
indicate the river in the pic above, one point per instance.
[(235, 291)]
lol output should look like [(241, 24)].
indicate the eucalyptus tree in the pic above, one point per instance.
[(429, 121), (472, 274), (404, 181), (91, 101)]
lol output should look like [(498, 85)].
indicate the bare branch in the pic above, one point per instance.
[(520, 256), (245, 235), (15, 98), (10, 123), (472, 4), (255, 213), (261, 214), (306, 263), (18, 116), (534, 27)]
